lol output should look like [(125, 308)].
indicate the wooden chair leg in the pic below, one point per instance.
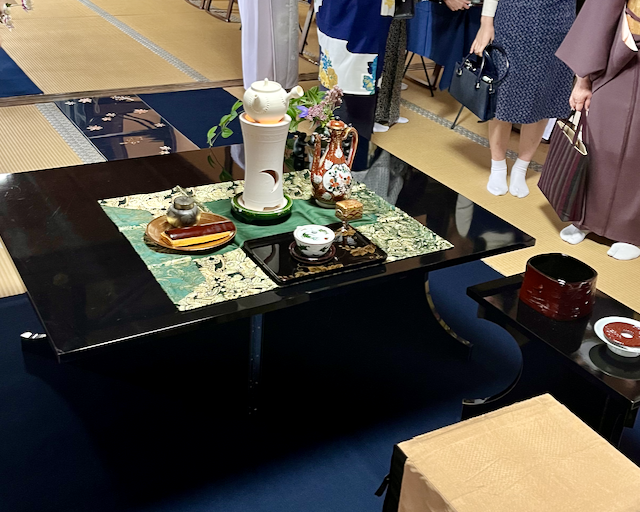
[(302, 42), (229, 9), (455, 122), (426, 73), (406, 68)]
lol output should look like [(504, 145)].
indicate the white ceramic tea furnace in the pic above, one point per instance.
[(313, 240), (620, 350)]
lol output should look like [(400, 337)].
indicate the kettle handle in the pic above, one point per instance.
[(354, 144)]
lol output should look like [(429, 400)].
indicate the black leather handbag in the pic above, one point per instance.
[(405, 9), (475, 82)]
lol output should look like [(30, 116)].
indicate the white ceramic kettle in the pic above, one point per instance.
[(267, 102)]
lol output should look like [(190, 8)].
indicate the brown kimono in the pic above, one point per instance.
[(594, 47)]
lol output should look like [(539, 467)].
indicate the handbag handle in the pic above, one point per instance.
[(580, 127), (486, 56)]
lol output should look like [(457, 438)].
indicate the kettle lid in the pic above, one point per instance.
[(266, 85)]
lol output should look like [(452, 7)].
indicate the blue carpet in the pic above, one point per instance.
[(13, 81), (194, 112), (156, 429)]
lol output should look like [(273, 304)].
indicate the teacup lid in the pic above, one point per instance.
[(314, 234), (266, 85), (183, 203)]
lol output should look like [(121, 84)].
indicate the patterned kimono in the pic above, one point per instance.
[(352, 36), (269, 41)]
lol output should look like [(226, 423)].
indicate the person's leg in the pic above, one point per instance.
[(530, 137), (499, 133)]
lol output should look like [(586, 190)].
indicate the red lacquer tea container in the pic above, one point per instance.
[(559, 286)]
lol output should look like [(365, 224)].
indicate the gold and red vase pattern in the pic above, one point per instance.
[(331, 171)]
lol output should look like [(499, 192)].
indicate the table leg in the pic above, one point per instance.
[(255, 360), (462, 341), (543, 371)]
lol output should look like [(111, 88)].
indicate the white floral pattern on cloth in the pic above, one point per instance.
[(354, 72), (233, 275)]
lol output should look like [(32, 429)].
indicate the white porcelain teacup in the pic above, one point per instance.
[(313, 240)]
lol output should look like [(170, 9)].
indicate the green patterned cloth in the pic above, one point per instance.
[(192, 281)]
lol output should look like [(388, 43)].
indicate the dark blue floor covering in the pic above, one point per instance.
[(194, 112), (160, 427), (13, 81)]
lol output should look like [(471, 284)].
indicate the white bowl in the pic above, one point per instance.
[(313, 240), (620, 350)]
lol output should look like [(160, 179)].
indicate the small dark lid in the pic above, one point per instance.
[(183, 203)]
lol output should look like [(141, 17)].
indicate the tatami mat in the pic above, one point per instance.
[(464, 166), (28, 142), (443, 105), (10, 281), (65, 46), (84, 52)]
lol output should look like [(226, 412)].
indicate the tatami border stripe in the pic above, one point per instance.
[(478, 139), (171, 59), (74, 138)]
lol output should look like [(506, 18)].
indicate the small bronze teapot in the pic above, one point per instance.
[(184, 212)]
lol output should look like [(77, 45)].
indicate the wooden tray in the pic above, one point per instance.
[(159, 225), (272, 254)]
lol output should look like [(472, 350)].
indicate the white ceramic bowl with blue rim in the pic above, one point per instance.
[(313, 240), (616, 348)]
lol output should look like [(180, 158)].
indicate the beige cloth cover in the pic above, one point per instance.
[(534, 456)]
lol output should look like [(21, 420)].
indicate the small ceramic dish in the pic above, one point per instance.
[(616, 348), (314, 240)]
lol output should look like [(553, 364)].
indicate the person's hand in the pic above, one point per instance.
[(581, 94), (485, 35), (457, 5)]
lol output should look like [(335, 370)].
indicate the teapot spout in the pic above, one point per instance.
[(296, 92)]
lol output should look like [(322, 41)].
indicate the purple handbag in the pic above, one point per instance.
[(565, 171)]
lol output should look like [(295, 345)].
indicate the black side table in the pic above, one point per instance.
[(566, 359)]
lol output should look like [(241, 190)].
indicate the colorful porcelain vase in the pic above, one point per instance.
[(331, 171)]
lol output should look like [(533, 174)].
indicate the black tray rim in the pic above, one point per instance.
[(249, 245)]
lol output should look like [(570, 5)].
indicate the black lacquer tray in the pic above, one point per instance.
[(272, 254)]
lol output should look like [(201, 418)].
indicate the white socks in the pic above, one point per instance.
[(517, 180), (498, 180), (619, 250), (517, 183), (380, 128), (623, 251), (573, 235)]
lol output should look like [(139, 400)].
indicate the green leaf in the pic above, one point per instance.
[(211, 134), (225, 119), (236, 106), (210, 160), (225, 176), (226, 132), (288, 162)]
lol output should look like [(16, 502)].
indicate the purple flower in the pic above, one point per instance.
[(304, 111), (316, 113)]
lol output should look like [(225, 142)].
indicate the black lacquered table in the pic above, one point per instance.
[(93, 292), (566, 359)]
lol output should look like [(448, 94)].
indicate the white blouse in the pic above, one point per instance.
[(489, 8)]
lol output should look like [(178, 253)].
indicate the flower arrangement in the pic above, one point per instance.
[(315, 106), (5, 12)]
